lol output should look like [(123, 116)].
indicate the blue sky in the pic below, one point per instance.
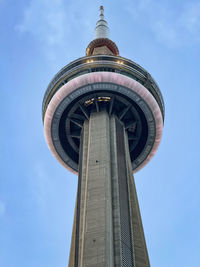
[(37, 195)]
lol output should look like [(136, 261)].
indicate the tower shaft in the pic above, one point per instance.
[(107, 227)]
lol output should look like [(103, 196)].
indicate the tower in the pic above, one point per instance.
[(103, 118)]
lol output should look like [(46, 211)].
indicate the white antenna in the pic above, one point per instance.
[(101, 30)]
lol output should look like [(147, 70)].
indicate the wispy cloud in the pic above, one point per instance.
[(41, 185), (2, 208), (173, 24), (190, 19), (46, 22), (53, 23)]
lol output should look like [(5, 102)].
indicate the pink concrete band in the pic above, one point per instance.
[(98, 77)]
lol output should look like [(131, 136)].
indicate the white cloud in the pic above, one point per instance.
[(41, 184), (53, 23), (171, 23), (2, 208), (190, 19), (46, 22)]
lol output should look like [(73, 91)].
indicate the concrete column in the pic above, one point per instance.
[(107, 225)]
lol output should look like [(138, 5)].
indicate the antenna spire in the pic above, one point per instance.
[(101, 30), (101, 12)]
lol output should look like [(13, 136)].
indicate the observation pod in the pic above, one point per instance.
[(103, 80), (103, 90)]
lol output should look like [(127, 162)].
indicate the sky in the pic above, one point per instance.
[(37, 194)]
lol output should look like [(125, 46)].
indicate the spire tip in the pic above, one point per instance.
[(101, 30)]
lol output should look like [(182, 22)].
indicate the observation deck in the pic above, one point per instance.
[(103, 82)]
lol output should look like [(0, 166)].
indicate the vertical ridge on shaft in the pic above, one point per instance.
[(140, 252)]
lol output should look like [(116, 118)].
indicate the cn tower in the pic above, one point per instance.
[(103, 118)]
